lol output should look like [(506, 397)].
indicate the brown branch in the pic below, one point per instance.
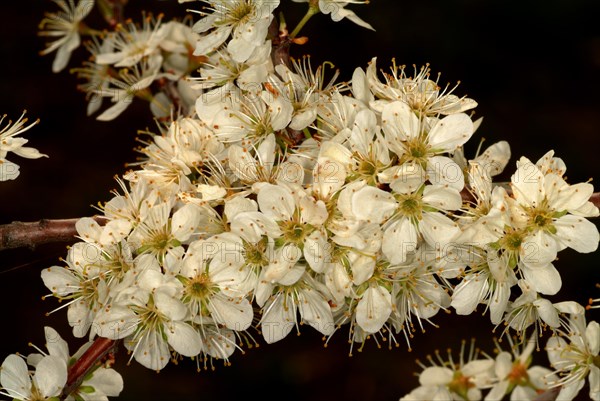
[(92, 357), (280, 42), (18, 234)]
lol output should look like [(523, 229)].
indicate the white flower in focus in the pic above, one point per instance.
[(9, 142), (246, 21), (531, 309), (410, 218), (249, 119), (487, 281), (419, 143), (46, 382), (133, 205), (574, 357), (416, 293), (220, 70), (215, 287), (543, 205), (419, 92), (64, 26), (296, 292), (161, 234), (299, 217), (307, 89), (151, 318), (80, 284)]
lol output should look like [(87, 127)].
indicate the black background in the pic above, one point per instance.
[(532, 66)]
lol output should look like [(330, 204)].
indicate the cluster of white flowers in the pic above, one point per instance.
[(572, 352), (47, 375), (273, 197)]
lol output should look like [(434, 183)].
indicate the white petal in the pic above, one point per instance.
[(14, 377), (437, 229), (251, 226), (451, 132), (478, 367), (151, 351), (50, 376), (545, 280), (88, 229), (114, 231), (276, 202), (278, 320), (184, 339), (312, 211), (106, 381), (444, 171), (211, 41), (503, 365), (399, 239), (171, 307), (527, 183), (538, 250), (594, 380), (399, 122), (495, 158), (116, 109), (592, 335), (284, 260), (60, 280), (570, 391), (235, 314), (441, 197), (317, 250), (435, 376), (547, 312), (497, 392), (55, 344), (467, 296), (185, 221), (373, 204), (315, 310), (116, 323), (404, 179), (328, 176), (499, 301), (237, 205), (374, 309), (577, 233)]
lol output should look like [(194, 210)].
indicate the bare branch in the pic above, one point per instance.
[(19, 234)]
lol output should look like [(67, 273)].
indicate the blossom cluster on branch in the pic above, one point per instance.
[(270, 196)]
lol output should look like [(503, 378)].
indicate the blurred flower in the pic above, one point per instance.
[(9, 143)]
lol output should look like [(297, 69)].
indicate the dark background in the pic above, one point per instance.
[(532, 66)]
